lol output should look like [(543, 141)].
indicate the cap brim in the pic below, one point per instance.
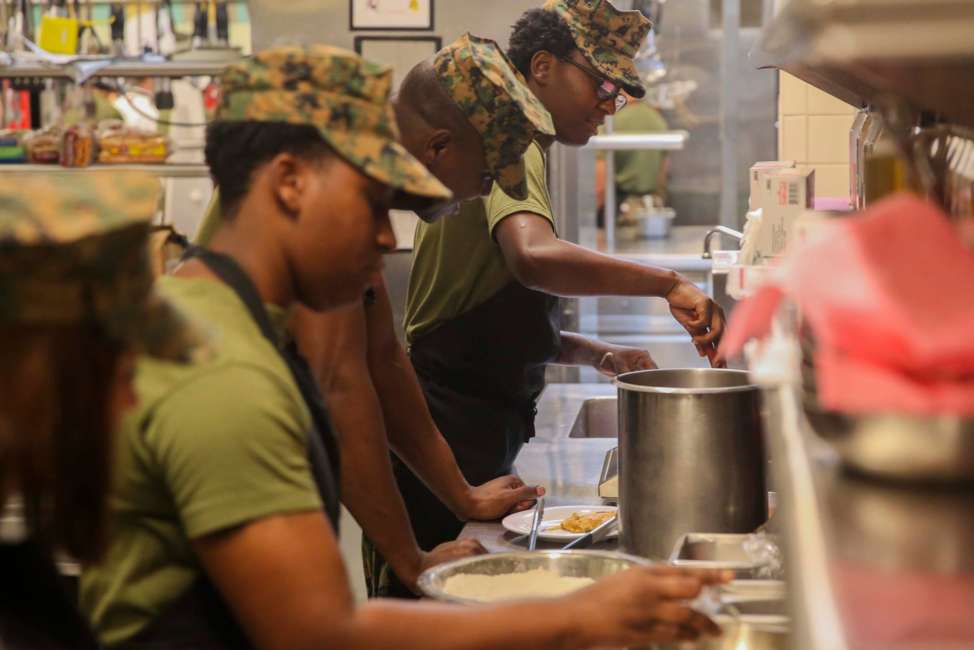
[(388, 162), (163, 331), (624, 74)]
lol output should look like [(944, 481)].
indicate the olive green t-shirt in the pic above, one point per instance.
[(637, 171), (210, 446), (457, 265), (212, 219)]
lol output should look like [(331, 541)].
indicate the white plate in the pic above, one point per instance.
[(520, 522)]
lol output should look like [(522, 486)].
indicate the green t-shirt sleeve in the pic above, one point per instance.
[(210, 222), (228, 460), (500, 206)]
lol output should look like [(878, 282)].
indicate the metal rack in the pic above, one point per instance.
[(878, 55), (117, 68), (862, 51), (908, 63), (663, 140), (183, 63), (82, 69), (168, 170), (137, 3)]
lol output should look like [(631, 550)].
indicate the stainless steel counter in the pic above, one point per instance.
[(568, 468), (871, 565)]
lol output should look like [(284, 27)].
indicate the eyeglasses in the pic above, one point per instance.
[(606, 89)]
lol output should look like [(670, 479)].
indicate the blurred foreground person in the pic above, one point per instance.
[(76, 305)]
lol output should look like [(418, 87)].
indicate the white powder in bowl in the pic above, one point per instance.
[(537, 583)]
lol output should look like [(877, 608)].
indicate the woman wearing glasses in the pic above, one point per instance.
[(482, 313)]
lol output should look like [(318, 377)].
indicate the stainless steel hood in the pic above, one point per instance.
[(919, 51)]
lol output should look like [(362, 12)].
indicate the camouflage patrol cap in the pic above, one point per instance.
[(607, 37), (497, 102), (344, 96), (74, 250)]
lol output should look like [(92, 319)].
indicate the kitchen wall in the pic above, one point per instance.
[(326, 21), (814, 132)]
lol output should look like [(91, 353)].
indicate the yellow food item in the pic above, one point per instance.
[(119, 145), (583, 522)]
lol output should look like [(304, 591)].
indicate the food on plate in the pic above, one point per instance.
[(537, 583), (584, 522)]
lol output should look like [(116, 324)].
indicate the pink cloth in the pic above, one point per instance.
[(832, 203), (899, 609), (889, 296)]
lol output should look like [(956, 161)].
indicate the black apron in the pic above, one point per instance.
[(36, 611), (482, 373), (200, 619)]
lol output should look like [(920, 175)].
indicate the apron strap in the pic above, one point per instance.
[(323, 449)]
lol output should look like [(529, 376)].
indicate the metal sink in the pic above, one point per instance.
[(598, 418)]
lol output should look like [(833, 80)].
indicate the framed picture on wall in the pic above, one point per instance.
[(401, 15), (400, 52)]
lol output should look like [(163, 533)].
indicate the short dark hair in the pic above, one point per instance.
[(421, 94), (535, 31), (235, 149)]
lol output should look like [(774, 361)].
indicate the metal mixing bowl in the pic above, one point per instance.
[(900, 447), (892, 446), (576, 564)]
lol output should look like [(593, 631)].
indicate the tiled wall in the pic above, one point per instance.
[(813, 131)]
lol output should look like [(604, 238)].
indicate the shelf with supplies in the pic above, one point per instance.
[(170, 170), (114, 68), (662, 140), (655, 141)]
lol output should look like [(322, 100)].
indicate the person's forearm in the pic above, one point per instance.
[(540, 625), (565, 269), (410, 428), (369, 489), (412, 433), (577, 350), (283, 578), (285, 582)]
